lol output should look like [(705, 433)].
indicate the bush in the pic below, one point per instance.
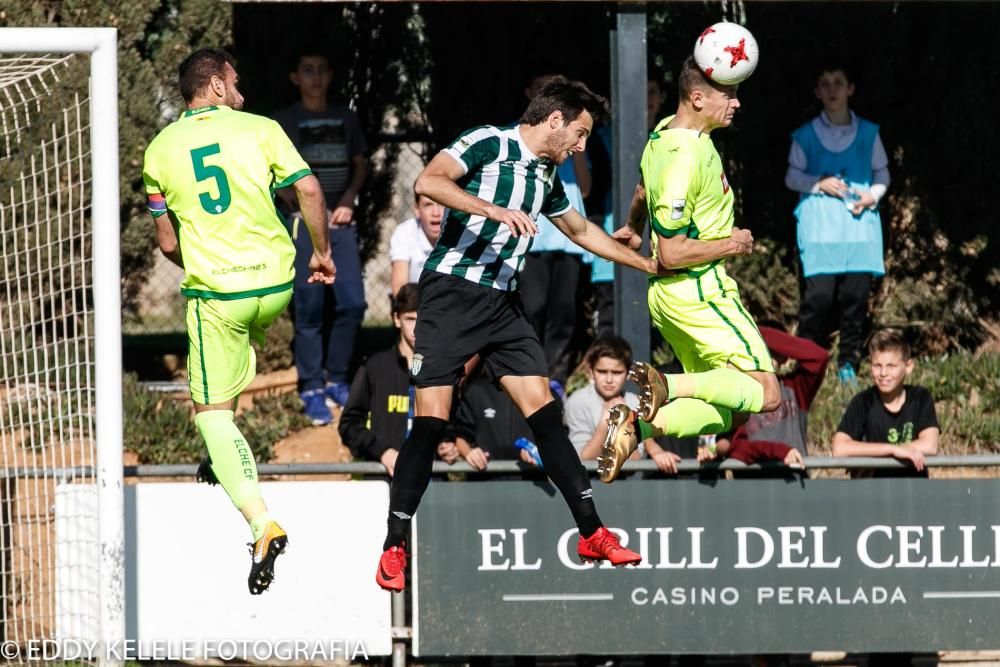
[(160, 429), (277, 354), (768, 287)]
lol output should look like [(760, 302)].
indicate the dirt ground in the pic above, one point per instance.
[(317, 444)]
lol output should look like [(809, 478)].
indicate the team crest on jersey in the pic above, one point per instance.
[(725, 183), (677, 208), (418, 361)]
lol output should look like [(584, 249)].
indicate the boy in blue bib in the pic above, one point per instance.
[(839, 166)]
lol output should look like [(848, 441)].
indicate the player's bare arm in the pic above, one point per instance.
[(313, 207), (637, 210), (438, 181), (631, 233), (591, 237), (680, 251), (166, 238)]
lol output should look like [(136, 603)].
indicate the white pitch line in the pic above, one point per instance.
[(959, 595), (581, 597)]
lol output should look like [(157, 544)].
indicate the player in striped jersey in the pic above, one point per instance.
[(494, 182), (210, 177), (728, 369)]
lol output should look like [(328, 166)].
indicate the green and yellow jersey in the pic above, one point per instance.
[(215, 170), (686, 193), (698, 309)]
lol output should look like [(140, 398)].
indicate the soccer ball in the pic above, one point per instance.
[(726, 53)]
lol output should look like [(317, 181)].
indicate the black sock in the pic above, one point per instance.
[(563, 466), (412, 474)]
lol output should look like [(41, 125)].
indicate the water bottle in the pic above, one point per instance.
[(529, 446), (851, 196)]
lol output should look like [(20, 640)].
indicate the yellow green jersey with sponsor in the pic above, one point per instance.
[(215, 170), (686, 188), (698, 309)]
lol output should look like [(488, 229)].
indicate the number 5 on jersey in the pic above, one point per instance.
[(204, 172)]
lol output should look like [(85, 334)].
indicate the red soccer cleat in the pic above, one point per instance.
[(604, 545), (391, 569)]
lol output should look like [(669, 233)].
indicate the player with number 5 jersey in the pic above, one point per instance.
[(210, 178)]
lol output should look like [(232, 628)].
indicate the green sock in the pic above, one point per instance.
[(232, 460), (729, 388), (685, 417), (258, 524), (646, 430)]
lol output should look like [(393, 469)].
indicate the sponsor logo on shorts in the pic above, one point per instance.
[(418, 362), (239, 269), (490, 413)]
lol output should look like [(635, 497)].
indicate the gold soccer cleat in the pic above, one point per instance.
[(652, 389), (619, 445)]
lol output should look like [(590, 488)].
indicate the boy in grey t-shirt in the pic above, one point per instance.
[(586, 411)]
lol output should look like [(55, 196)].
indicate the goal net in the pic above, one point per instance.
[(61, 551)]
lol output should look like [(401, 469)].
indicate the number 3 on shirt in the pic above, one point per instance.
[(203, 172)]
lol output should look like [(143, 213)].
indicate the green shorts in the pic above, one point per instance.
[(221, 361), (702, 318)]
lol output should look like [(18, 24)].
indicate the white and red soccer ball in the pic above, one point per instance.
[(727, 53)]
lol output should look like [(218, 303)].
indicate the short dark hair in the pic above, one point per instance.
[(417, 195), (570, 97), (885, 340), (197, 70), (406, 299), (310, 52), (609, 345), (691, 79), (834, 66)]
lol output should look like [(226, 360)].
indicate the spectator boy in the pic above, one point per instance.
[(780, 435), (412, 241), (379, 410), (839, 166), (891, 418), (487, 423), (587, 409), (326, 318)]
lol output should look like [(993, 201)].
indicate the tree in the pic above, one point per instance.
[(153, 37)]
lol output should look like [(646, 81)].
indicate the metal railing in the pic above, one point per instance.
[(371, 469)]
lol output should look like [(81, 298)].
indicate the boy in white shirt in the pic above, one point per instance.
[(412, 241)]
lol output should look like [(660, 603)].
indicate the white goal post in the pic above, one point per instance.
[(104, 416)]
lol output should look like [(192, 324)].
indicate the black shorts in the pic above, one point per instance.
[(456, 318)]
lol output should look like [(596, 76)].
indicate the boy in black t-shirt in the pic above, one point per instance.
[(891, 418)]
